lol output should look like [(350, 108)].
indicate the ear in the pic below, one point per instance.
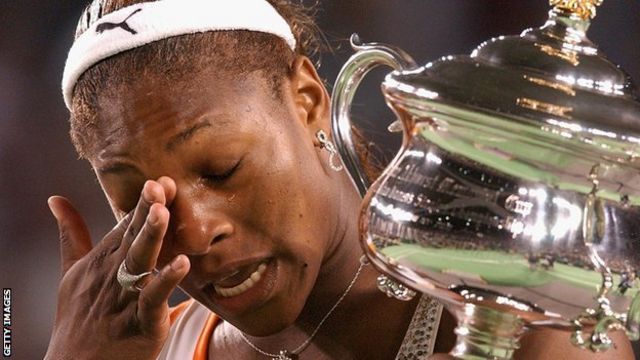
[(310, 95)]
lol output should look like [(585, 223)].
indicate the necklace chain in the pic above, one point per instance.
[(284, 354)]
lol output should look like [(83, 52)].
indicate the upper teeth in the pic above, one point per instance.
[(247, 284)]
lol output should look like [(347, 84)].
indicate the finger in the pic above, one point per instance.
[(152, 192), (75, 240), (152, 302), (143, 253), (170, 189)]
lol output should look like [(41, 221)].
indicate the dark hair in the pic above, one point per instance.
[(234, 52)]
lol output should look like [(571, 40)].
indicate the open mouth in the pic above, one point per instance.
[(243, 288), (245, 280)]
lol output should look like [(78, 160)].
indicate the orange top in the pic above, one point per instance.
[(202, 346)]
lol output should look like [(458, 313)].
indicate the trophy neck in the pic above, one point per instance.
[(576, 25), (485, 333), (577, 9)]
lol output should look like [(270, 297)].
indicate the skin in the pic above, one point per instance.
[(210, 221), (239, 178)]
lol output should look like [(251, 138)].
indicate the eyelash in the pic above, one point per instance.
[(218, 178)]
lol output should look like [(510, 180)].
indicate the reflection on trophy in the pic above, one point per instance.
[(515, 198)]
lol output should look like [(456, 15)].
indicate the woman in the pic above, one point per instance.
[(205, 122)]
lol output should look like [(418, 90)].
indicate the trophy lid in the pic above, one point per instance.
[(551, 85), (551, 72)]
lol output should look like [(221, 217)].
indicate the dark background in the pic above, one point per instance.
[(37, 160)]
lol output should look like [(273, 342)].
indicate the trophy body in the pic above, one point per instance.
[(515, 198)]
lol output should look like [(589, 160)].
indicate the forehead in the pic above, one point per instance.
[(154, 108)]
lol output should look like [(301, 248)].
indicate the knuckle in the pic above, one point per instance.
[(147, 231), (65, 237), (146, 301), (131, 231), (134, 265), (129, 324), (165, 276), (168, 278), (110, 244), (97, 261)]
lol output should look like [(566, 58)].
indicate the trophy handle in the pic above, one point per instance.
[(367, 57)]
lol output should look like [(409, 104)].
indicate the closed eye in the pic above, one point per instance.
[(217, 178)]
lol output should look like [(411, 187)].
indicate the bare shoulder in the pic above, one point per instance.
[(554, 344)]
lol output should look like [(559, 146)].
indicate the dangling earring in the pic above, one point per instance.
[(325, 143)]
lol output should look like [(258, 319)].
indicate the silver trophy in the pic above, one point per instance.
[(515, 198)]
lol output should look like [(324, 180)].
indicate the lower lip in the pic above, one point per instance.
[(250, 299)]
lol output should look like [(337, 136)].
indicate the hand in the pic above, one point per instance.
[(96, 318)]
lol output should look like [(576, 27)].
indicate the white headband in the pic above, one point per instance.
[(143, 23)]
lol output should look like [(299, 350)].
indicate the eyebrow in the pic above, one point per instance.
[(185, 135)]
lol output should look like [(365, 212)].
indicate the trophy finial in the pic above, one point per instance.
[(584, 9)]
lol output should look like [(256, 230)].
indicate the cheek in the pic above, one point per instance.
[(291, 209)]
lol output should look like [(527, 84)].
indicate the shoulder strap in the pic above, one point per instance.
[(202, 346), (420, 338), (177, 310), (187, 323)]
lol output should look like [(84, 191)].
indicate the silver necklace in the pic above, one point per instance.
[(292, 355)]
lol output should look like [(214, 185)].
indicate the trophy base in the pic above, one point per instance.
[(486, 333)]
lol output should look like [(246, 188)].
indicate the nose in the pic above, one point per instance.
[(195, 225)]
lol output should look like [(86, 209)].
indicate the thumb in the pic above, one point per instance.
[(75, 241)]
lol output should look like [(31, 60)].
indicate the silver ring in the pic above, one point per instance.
[(129, 281)]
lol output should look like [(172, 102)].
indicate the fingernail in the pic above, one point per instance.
[(52, 207), (178, 263), (153, 217), (145, 192)]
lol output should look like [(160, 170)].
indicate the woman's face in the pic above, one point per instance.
[(252, 192)]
